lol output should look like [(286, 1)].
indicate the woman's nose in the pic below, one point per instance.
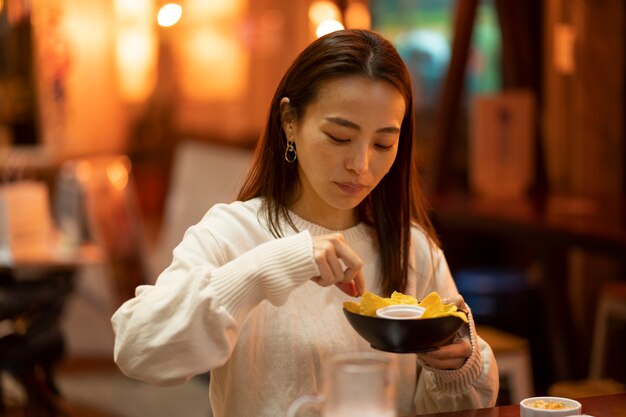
[(358, 160)]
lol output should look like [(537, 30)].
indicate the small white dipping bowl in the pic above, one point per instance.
[(401, 312), (526, 409)]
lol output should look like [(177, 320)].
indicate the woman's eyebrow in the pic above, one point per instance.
[(352, 125)]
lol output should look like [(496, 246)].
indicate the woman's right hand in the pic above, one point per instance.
[(338, 264)]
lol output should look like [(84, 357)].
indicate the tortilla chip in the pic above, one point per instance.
[(433, 304), (403, 298), (371, 302), (352, 306)]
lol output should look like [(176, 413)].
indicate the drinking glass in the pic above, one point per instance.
[(354, 385)]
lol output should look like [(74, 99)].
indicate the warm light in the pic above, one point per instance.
[(131, 10), (358, 16), (321, 11), (202, 10), (83, 171), (136, 57), (214, 66), (169, 14), (117, 173), (136, 49), (328, 26)]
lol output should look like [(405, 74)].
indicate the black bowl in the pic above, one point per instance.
[(405, 336)]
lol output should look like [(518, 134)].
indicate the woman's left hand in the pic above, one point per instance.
[(453, 355)]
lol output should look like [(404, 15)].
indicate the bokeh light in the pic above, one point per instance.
[(321, 11), (328, 26), (169, 14)]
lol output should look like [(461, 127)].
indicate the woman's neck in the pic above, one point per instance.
[(329, 219)]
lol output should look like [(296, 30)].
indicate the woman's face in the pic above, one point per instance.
[(346, 140)]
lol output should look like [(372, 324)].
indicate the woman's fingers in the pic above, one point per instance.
[(359, 283), (451, 356), (338, 264), (327, 261), (354, 288), (456, 299), (349, 288)]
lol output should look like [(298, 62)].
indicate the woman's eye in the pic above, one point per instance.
[(383, 147), (338, 140)]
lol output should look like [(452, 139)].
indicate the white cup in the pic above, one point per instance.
[(401, 312), (571, 407)]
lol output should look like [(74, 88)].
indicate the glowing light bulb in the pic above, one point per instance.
[(169, 14), (117, 172), (328, 26)]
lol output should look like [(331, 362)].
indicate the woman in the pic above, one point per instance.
[(331, 207)]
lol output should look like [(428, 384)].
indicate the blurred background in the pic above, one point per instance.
[(137, 115)]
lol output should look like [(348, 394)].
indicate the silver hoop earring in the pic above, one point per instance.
[(290, 152)]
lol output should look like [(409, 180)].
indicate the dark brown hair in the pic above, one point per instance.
[(398, 200)]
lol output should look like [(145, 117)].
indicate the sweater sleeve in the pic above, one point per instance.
[(476, 383), (188, 322)]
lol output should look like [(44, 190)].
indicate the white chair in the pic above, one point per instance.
[(611, 308), (203, 174), (513, 358)]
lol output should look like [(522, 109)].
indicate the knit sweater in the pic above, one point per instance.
[(240, 303)]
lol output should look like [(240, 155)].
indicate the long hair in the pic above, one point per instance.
[(398, 199)]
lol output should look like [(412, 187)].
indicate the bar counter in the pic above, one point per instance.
[(600, 406)]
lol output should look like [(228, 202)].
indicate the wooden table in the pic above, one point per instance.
[(33, 291), (601, 406)]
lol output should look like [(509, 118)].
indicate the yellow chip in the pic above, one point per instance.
[(438, 310), (352, 306), (433, 304), (403, 298), (432, 300), (460, 315), (371, 302)]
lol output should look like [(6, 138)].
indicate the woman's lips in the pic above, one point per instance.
[(350, 188)]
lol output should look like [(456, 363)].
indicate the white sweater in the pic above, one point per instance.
[(241, 303)]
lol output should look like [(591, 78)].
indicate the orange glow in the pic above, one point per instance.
[(201, 10), (358, 16), (83, 171), (215, 66), (272, 20), (117, 173), (328, 26), (321, 11), (136, 49), (213, 61), (131, 9), (136, 59)]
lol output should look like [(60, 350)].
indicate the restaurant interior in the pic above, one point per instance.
[(122, 122)]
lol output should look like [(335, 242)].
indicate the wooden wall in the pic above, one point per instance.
[(584, 81)]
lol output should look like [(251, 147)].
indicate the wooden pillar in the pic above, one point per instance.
[(447, 117)]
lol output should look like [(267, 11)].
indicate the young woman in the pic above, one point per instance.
[(331, 207)]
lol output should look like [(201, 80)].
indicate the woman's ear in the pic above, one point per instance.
[(287, 116)]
